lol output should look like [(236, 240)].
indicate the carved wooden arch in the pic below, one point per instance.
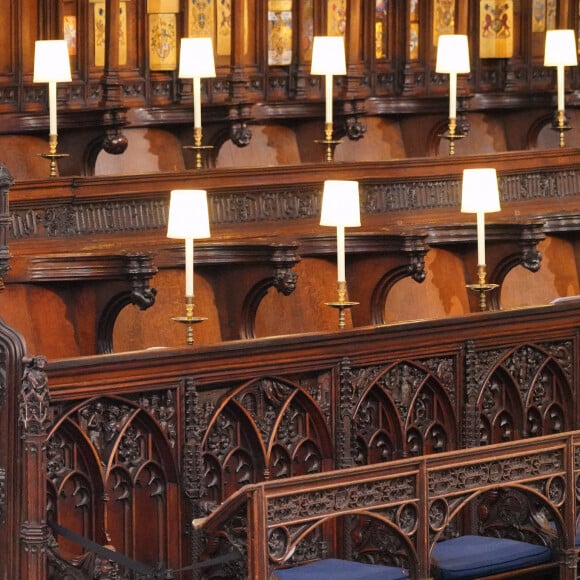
[(377, 413), (390, 546), (435, 137), (272, 427), (529, 257), (536, 390), (130, 472), (283, 280), (500, 409), (541, 523), (536, 128), (138, 269), (415, 269), (549, 396), (424, 411)]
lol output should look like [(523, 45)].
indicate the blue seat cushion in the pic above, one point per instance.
[(334, 569), (472, 556)]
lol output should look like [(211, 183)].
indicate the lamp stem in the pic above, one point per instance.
[(196, 102), (340, 252), (481, 239), (328, 98), (52, 107), (560, 78), (452, 95), (189, 268)]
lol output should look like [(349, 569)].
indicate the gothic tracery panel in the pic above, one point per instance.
[(112, 472), (268, 428)]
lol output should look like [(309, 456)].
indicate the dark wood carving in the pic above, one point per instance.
[(113, 474), (293, 406), (515, 490), (6, 181)]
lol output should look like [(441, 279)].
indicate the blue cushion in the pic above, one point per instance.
[(472, 556), (341, 570)]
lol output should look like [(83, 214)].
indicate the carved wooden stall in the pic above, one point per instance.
[(86, 250), (141, 443), (127, 110), (138, 443)]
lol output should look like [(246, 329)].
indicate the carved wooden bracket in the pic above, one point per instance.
[(125, 278), (374, 263), (139, 269), (508, 245), (249, 269)]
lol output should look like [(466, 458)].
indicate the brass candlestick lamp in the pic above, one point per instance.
[(480, 195), (196, 61), (328, 59), (188, 219), (340, 208), (52, 65), (452, 58), (560, 51)]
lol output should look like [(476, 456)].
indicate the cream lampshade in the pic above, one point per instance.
[(51, 65), (452, 58), (328, 59), (188, 219), (340, 208), (560, 51), (196, 61), (480, 195)]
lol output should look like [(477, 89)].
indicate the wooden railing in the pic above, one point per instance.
[(393, 513)]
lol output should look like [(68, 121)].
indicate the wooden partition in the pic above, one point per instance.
[(119, 445), (138, 444)]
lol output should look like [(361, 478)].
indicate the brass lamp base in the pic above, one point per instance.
[(189, 320), (451, 135), (561, 125), (198, 148), (52, 155), (341, 305), (482, 288), (328, 142)]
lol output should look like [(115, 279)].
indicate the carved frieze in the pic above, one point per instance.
[(89, 219), (282, 204), (344, 498), (505, 470)]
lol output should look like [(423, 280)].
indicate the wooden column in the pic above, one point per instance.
[(34, 424)]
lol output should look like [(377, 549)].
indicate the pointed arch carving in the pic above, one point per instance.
[(112, 467), (265, 429), (523, 392), (400, 410)]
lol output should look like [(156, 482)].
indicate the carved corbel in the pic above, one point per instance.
[(354, 128), (139, 269), (283, 279), (240, 134)]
